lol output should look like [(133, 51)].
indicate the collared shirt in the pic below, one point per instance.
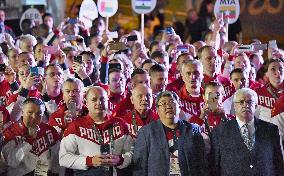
[(251, 126)]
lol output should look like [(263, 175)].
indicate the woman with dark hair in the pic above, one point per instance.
[(206, 13)]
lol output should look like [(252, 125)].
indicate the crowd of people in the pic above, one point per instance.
[(77, 101)]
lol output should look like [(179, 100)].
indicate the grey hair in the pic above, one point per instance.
[(192, 62), (75, 80), (246, 91), (166, 94)]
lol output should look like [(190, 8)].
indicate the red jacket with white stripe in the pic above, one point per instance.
[(267, 97), (81, 142)]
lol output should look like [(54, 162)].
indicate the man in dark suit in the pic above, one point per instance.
[(169, 146), (246, 146)]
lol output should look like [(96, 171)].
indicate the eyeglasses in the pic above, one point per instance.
[(165, 104), (243, 102), (52, 74)]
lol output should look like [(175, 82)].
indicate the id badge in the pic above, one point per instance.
[(41, 169), (174, 166)]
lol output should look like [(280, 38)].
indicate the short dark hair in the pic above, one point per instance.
[(202, 49), (166, 94), (91, 54), (114, 70), (236, 70), (148, 61), (213, 84), (157, 68), (138, 71), (156, 54), (52, 65), (153, 44), (34, 100), (47, 14)]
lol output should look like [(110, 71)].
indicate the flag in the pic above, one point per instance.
[(143, 4), (106, 7), (228, 11)]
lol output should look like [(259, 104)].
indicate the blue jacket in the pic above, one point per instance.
[(152, 157)]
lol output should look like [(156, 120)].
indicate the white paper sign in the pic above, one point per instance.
[(229, 8), (107, 8), (32, 14), (143, 6), (88, 12)]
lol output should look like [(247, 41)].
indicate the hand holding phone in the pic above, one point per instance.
[(272, 44), (72, 21), (2, 67), (78, 59), (71, 106), (34, 71), (169, 30), (51, 49), (117, 46), (212, 101)]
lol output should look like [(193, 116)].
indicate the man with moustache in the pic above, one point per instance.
[(169, 146), (246, 145), (96, 144), (72, 107)]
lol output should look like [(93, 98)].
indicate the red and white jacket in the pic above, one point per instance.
[(115, 99), (57, 121), (135, 121), (22, 152), (5, 92), (277, 115), (228, 88), (81, 142), (267, 97), (190, 106), (212, 119), (16, 101)]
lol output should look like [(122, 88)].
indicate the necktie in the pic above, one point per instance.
[(247, 137)]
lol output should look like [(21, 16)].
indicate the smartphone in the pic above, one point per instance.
[(245, 48), (182, 48), (132, 38), (260, 46), (50, 49), (71, 106), (70, 37), (114, 65), (272, 44), (2, 67), (105, 149), (117, 46), (112, 34), (169, 30), (212, 101), (34, 71), (72, 21), (78, 59)]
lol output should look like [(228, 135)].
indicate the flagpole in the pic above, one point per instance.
[(142, 29), (107, 24)]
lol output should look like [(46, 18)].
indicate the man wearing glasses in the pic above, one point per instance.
[(246, 145), (169, 146)]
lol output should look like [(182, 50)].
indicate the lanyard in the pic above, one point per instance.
[(100, 137), (134, 123), (175, 140), (271, 92)]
